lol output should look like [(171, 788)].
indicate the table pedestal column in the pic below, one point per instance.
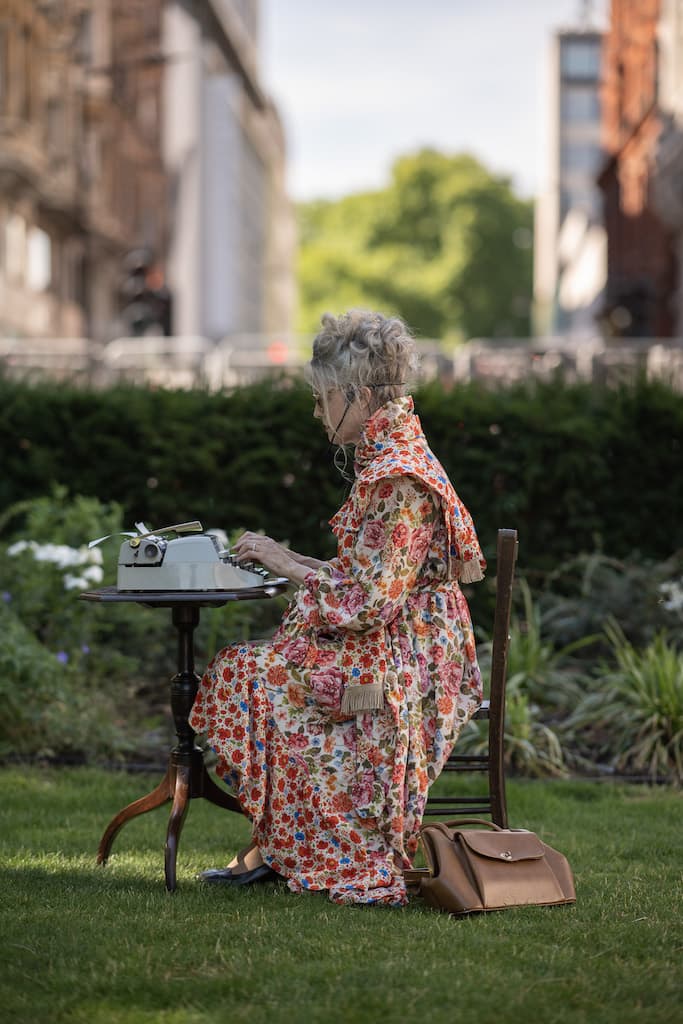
[(186, 776)]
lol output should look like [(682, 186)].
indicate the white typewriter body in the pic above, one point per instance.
[(150, 561)]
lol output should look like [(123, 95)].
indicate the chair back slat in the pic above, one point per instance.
[(507, 557)]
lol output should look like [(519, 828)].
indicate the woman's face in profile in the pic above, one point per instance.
[(345, 420)]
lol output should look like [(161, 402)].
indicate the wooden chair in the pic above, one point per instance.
[(492, 803)]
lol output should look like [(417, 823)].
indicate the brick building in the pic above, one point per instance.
[(642, 266), (667, 179), (81, 175)]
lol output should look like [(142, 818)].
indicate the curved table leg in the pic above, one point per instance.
[(161, 795), (181, 801)]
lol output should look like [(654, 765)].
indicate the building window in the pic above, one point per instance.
[(55, 126), (147, 111), (580, 156), (579, 104), (25, 73), (581, 59), (585, 199), (74, 272), (83, 48), (38, 260)]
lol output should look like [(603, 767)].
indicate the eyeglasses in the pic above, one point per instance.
[(317, 397)]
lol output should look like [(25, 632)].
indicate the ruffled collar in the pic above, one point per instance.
[(394, 422), (392, 443)]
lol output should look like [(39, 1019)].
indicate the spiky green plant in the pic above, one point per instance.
[(546, 672), (531, 748), (634, 715)]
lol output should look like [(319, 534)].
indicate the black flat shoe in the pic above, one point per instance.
[(226, 876)]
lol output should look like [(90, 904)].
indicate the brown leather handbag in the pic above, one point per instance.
[(473, 870)]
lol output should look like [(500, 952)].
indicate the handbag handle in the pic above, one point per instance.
[(445, 828), (463, 821), (475, 821)]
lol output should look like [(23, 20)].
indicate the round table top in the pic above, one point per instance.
[(202, 598)]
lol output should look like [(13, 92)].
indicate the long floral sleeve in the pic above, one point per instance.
[(377, 568)]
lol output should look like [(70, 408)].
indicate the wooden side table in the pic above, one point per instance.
[(186, 777)]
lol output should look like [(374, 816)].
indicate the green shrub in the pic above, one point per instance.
[(633, 716), (644, 596), (560, 463), (46, 709), (572, 467)]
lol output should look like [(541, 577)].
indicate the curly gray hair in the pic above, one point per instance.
[(362, 349)]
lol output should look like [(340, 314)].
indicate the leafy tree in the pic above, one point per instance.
[(447, 245)]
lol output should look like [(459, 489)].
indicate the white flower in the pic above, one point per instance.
[(65, 557), (93, 573), (94, 555), (673, 591), (60, 555), (17, 548), (75, 582)]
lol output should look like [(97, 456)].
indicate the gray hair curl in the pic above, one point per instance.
[(362, 349)]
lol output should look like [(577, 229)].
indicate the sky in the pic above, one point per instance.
[(361, 82)]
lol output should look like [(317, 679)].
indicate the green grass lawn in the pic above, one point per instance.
[(91, 945)]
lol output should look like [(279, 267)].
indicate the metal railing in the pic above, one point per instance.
[(192, 361), (596, 360)]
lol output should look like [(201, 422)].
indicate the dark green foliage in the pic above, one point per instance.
[(573, 468), (46, 708), (254, 458)]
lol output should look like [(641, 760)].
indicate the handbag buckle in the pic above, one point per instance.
[(506, 854)]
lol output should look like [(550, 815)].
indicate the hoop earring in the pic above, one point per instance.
[(341, 462)]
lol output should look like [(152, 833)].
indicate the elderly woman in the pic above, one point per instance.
[(332, 733)]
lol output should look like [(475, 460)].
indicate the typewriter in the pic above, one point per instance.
[(190, 560)]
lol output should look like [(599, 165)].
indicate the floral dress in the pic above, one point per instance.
[(332, 732)]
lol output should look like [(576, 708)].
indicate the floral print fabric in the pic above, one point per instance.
[(336, 798), (394, 444)]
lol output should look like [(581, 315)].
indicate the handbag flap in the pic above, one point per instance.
[(507, 846)]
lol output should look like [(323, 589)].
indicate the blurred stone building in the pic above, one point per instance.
[(81, 174), (642, 103), (232, 235), (139, 155)]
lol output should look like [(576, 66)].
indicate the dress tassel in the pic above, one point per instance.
[(368, 697), (471, 572)]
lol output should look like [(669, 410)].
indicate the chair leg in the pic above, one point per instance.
[(507, 556), (499, 810)]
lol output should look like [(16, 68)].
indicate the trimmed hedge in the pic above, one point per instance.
[(571, 467)]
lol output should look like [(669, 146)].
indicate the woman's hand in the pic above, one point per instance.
[(256, 547)]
